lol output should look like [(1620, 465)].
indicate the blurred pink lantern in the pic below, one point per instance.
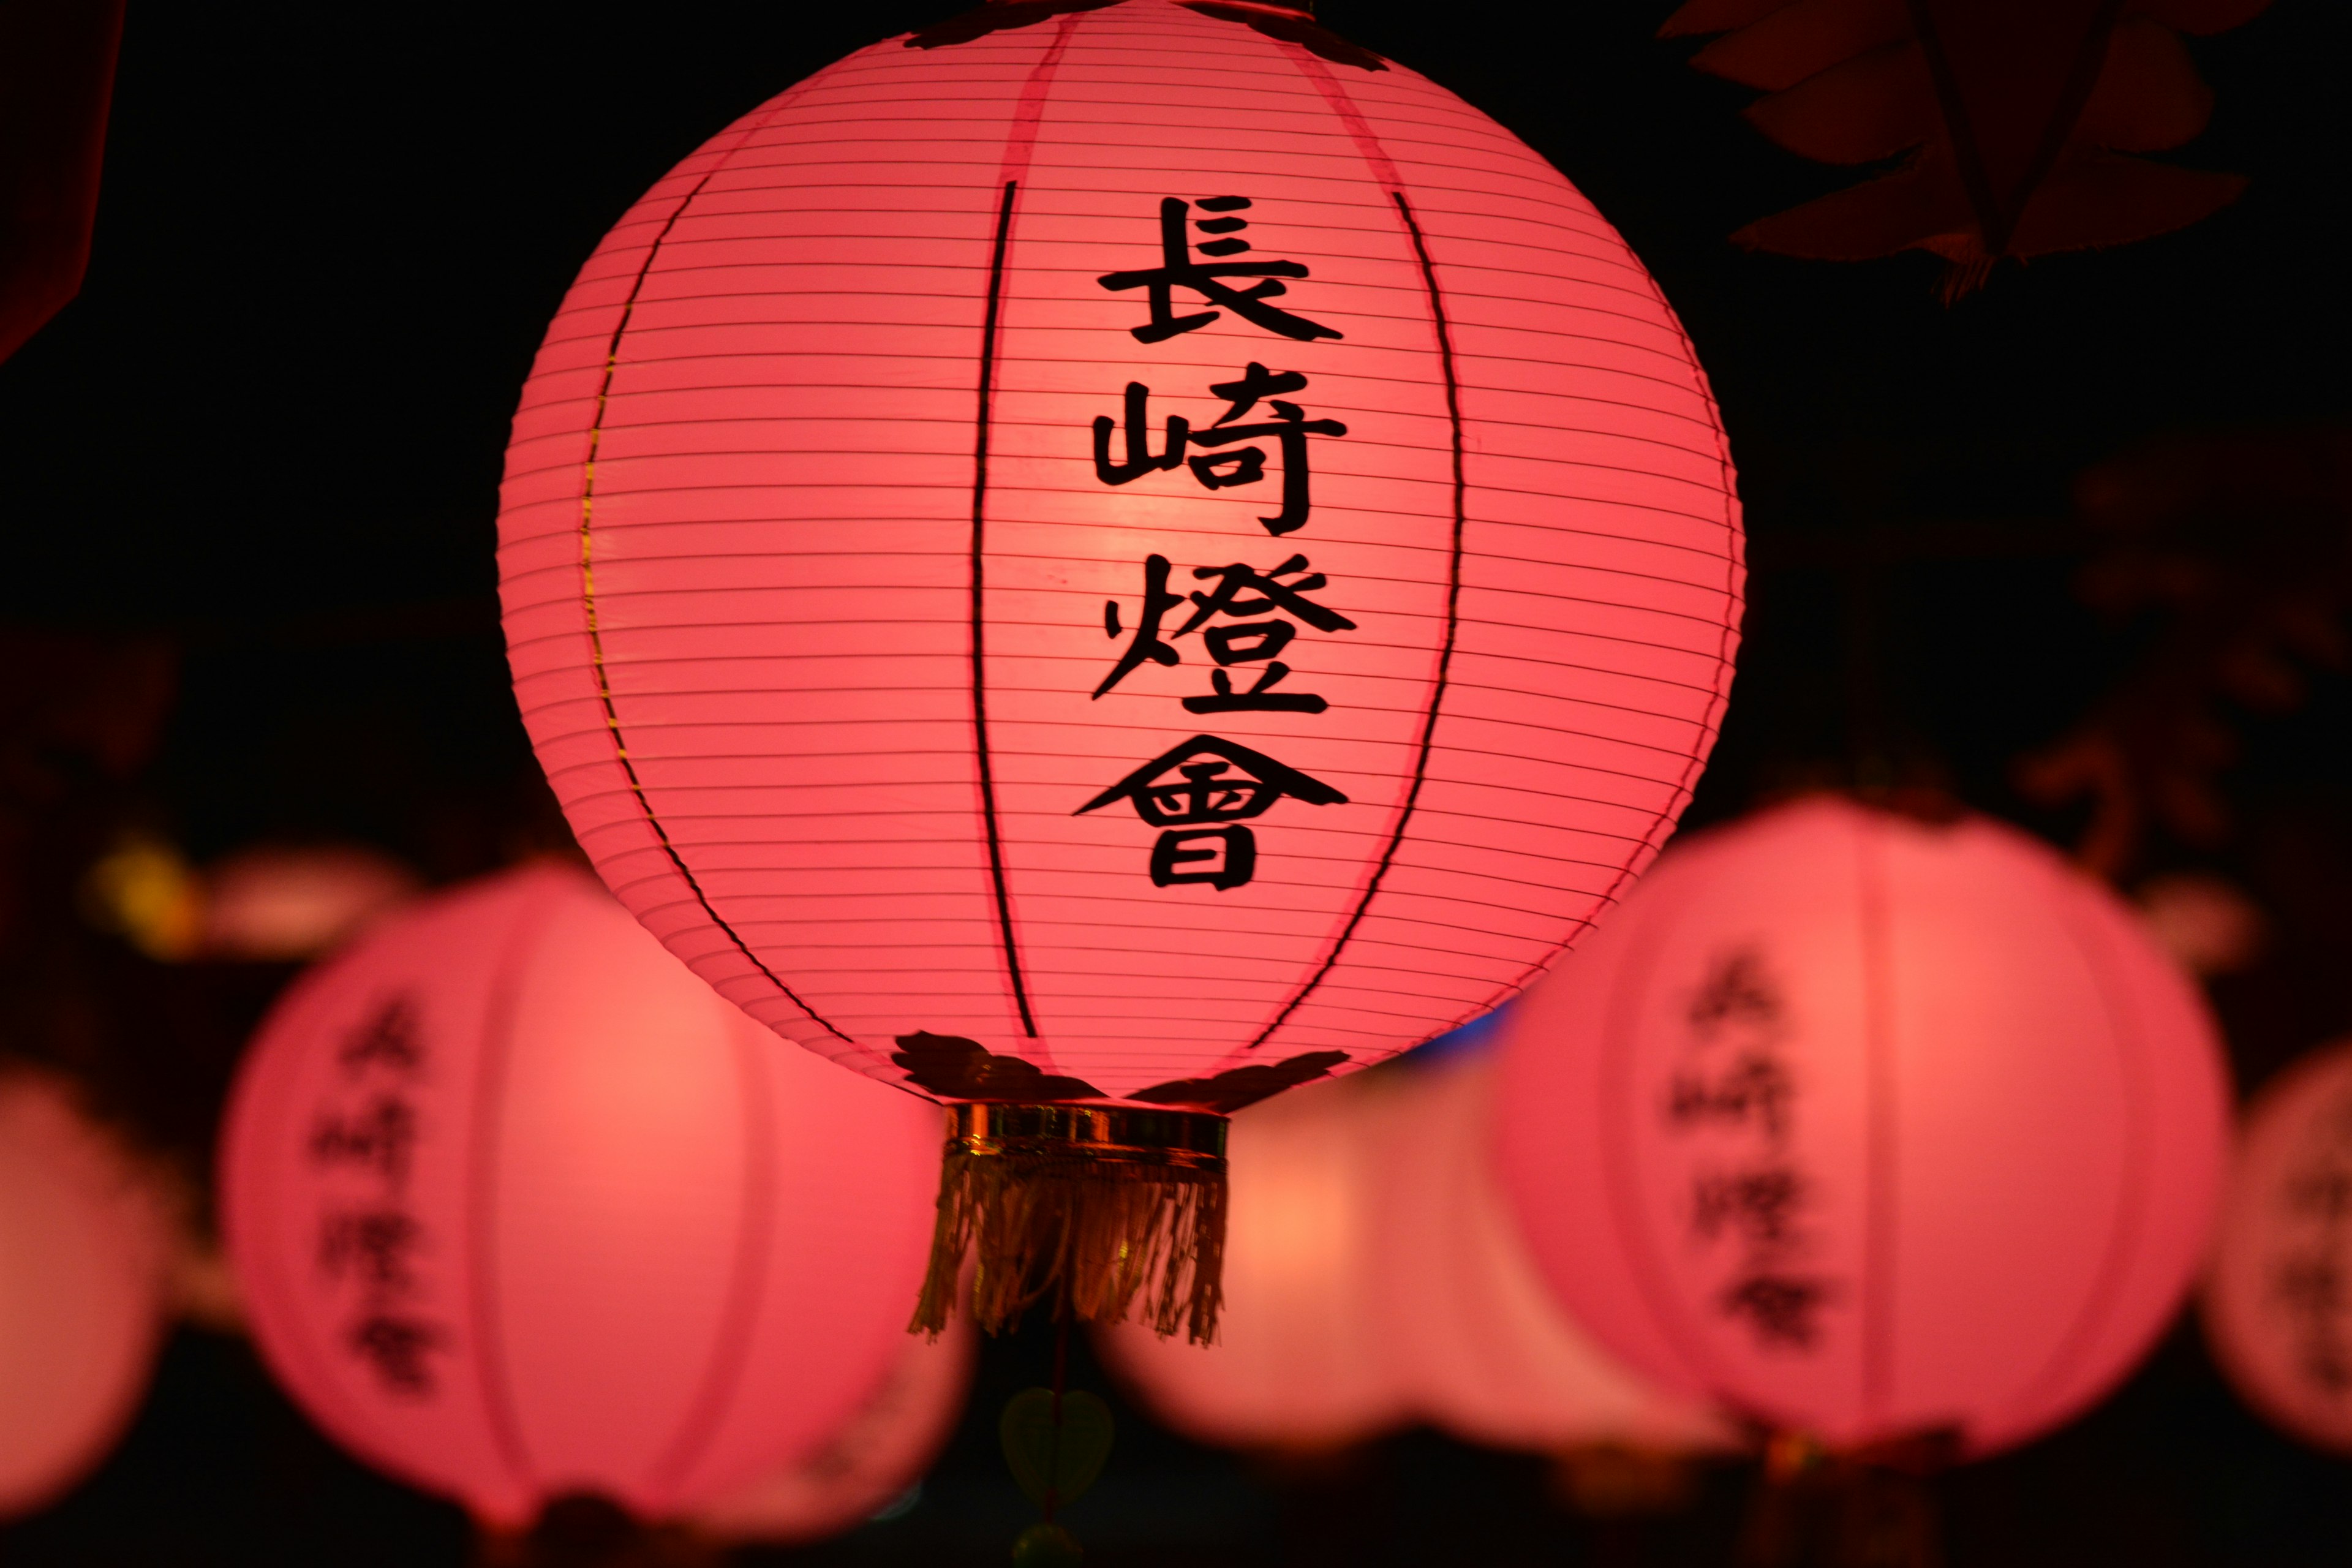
[(521, 1207), (1298, 1362), (1869, 1127), (1476, 1342), (1116, 554), (276, 902), (82, 1295), (870, 1461), (2278, 1303)]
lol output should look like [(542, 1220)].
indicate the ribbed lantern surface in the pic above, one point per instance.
[(1142, 541)]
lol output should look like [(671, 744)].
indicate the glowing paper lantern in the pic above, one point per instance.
[(1120, 556), (1473, 1337), (2278, 1302), (869, 1462), (82, 1249), (1869, 1127), (522, 1209), (1299, 1362)]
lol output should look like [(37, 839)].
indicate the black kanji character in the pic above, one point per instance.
[(374, 1244), (1761, 1205), (1289, 426), (1139, 461), (1147, 642), (1178, 269), (1204, 793), (1737, 990), (386, 1040), (2312, 1285), (1244, 595), (1783, 1309), (2326, 1193), (1755, 1084), (382, 1136), (395, 1345), (1221, 857), (1202, 805)]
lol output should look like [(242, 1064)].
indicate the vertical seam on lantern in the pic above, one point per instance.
[(723, 1377), (979, 616), (1445, 649), (1879, 1122), (2131, 1208), (1020, 143), (490, 1065), (595, 635)]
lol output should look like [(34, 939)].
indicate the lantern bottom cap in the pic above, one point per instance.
[(1104, 1211)]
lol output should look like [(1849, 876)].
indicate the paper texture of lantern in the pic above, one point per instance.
[(1871, 1129), (522, 1209), (1102, 561), (872, 1461), (1471, 1333), (1299, 1363), (83, 1247), (2276, 1307)]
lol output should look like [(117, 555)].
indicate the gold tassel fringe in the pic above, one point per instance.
[(1103, 1210)]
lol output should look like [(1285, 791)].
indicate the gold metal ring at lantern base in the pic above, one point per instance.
[(1112, 1134)]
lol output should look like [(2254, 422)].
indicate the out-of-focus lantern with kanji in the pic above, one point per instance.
[(2278, 1302), (1106, 559), (521, 1209), (1879, 1131)]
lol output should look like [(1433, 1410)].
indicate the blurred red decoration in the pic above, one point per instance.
[(1299, 1363), (522, 1209), (2018, 115), (1472, 1334), (2278, 1301), (1874, 1129), (869, 1464), (277, 902), (57, 78), (896, 664), (82, 1293)]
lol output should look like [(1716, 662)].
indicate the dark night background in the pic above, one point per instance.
[(2094, 521)]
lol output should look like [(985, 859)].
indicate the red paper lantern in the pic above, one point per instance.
[(1300, 1361), (1123, 555), (82, 1262), (2276, 1307), (1471, 1333), (522, 1209), (873, 1459), (1870, 1128)]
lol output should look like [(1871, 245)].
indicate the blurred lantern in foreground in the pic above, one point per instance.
[(870, 1461), (1870, 1128), (82, 1249), (1298, 1363), (275, 903), (1472, 1334), (522, 1209), (2278, 1304), (1104, 559)]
